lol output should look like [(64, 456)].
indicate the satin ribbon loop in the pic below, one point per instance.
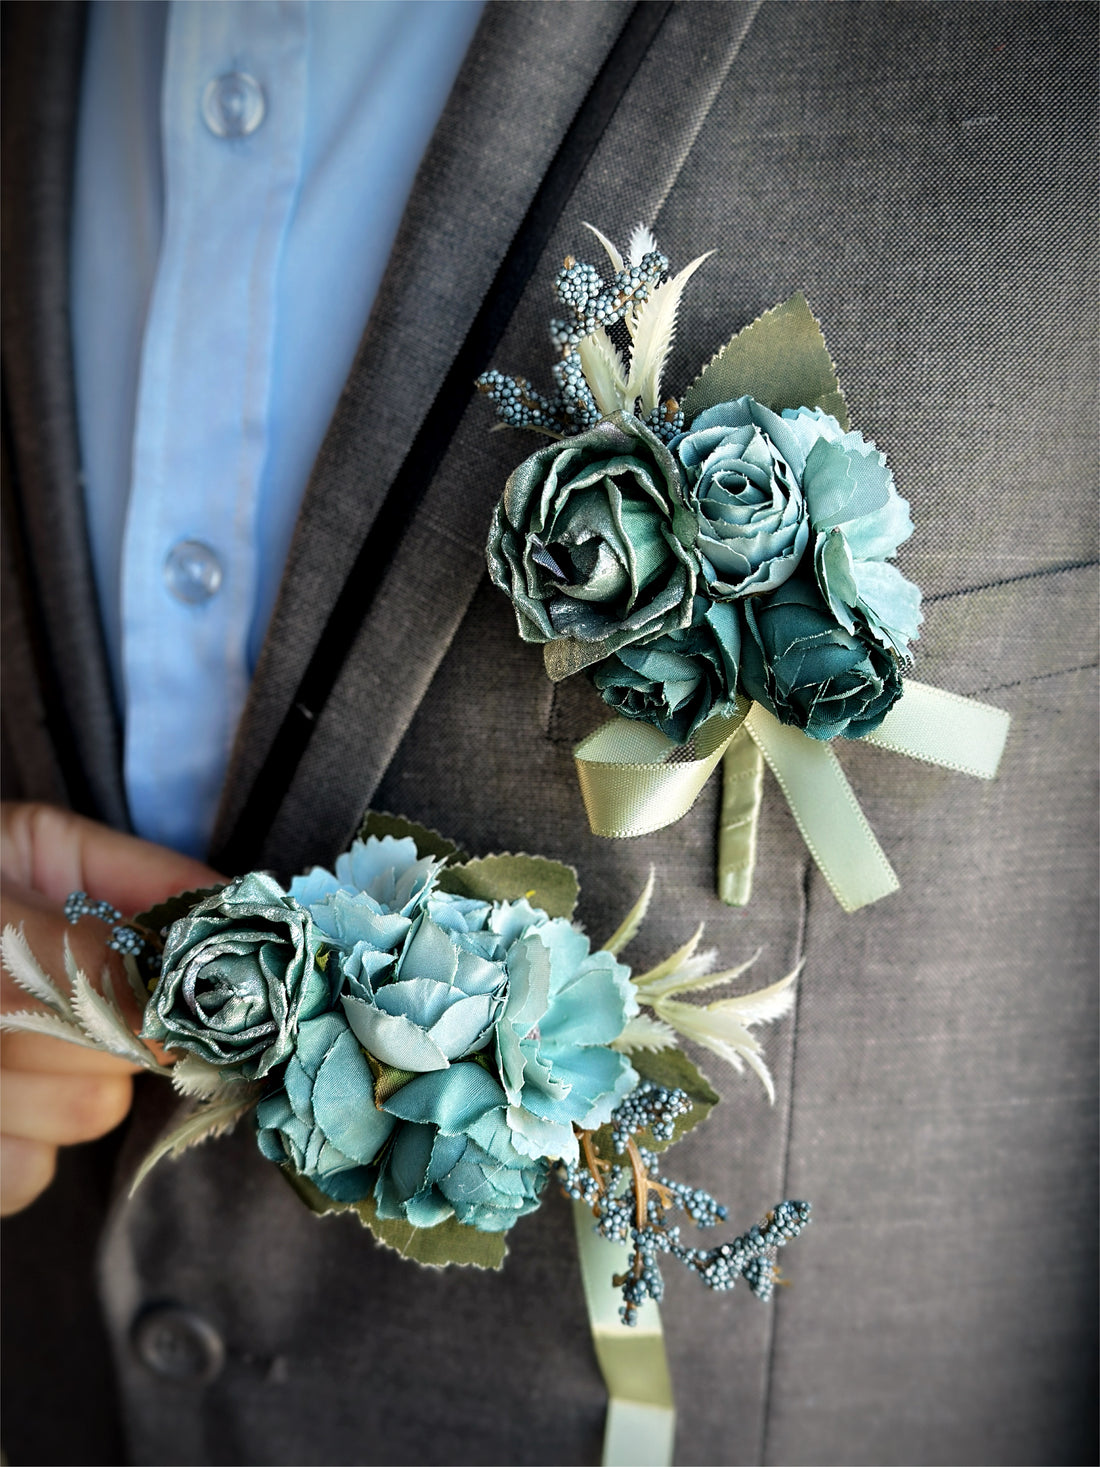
[(641, 1416), (634, 780)]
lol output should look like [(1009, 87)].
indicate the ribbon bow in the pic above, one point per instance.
[(634, 780)]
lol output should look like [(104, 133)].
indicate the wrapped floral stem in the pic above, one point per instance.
[(742, 791)]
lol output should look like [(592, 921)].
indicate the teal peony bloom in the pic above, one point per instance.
[(858, 521), (743, 464), (376, 891), (592, 542), (322, 1121), (238, 976), (453, 1155), (809, 671), (565, 1006), (678, 680), (438, 1003)]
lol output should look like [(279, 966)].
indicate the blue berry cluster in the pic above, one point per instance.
[(630, 1203), (591, 303), (123, 939)]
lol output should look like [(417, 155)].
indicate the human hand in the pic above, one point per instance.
[(51, 1093)]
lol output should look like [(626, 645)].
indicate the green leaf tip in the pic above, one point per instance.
[(507, 878), (780, 359), (449, 1242), (380, 823)]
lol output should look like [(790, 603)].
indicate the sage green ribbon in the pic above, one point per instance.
[(641, 1416), (634, 780)]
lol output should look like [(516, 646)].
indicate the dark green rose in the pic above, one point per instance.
[(803, 666), (592, 541), (237, 977), (678, 680)]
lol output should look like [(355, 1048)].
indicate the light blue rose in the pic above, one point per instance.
[(322, 1120), (743, 466), (453, 1155), (565, 1006), (376, 891), (858, 521), (437, 1003)]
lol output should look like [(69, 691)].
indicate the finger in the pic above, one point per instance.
[(62, 1109), (56, 852), (26, 1170), (46, 1056)]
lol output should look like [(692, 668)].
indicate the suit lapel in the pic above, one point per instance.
[(43, 53), (434, 570), (525, 76)]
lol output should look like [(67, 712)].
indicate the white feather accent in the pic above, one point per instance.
[(193, 1076), (674, 963), (212, 1119), (33, 1021), (24, 967), (642, 1032), (724, 1027), (641, 244), (654, 327), (105, 1024), (604, 372), (612, 253), (627, 929)]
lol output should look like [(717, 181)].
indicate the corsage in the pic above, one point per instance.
[(428, 1041), (721, 568)]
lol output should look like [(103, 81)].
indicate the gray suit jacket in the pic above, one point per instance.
[(923, 173)]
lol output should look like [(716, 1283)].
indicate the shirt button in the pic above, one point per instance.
[(233, 105), (177, 1344), (192, 572)]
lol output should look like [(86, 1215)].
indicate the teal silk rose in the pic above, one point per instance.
[(858, 520), (322, 1121), (454, 1156), (592, 542), (743, 464), (678, 680), (809, 671), (238, 975)]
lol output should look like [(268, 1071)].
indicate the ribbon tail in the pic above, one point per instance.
[(945, 729), (826, 811), (742, 787), (641, 1416)]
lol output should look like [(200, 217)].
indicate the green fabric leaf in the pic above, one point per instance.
[(448, 1242), (781, 360), (428, 842), (546, 884), (157, 918)]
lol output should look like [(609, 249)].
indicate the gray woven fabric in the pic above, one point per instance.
[(47, 508), (925, 173)]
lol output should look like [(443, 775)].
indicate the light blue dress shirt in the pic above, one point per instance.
[(241, 173)]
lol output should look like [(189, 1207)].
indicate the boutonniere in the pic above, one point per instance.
[(429, 1042), (722, 569)]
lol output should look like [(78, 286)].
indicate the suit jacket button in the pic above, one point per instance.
[(177, 1344)]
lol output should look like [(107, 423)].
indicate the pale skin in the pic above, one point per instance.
[(54, 1094)]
